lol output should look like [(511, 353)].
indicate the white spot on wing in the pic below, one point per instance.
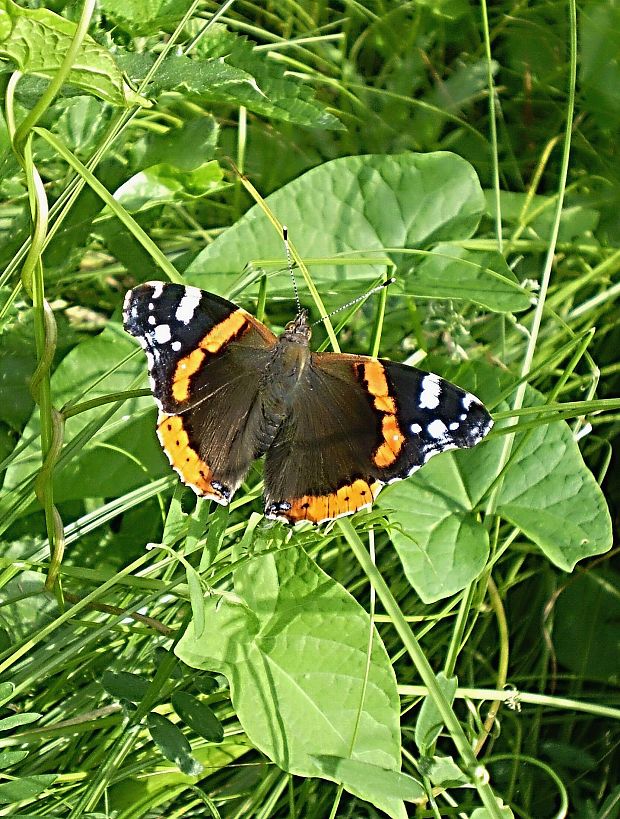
[(454, 426), (162, 334), (431, 390), (188, 304), (437, 428), (152, 320), (176, 346), (416, 429), (469, 399), (158, 289)]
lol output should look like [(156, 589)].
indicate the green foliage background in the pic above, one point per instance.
[(454, 651)]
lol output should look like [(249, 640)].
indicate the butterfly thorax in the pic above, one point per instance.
[(282, 376)]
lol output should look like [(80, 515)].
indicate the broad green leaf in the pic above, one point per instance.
[(164, 183), (16, 720), (144, 17), (547, 491), (124, 686), (37, 40), (551, 495), (293, 644), (481, 277), (368, 204), (430, 723), (198, 716), (173, 744), (29, 787), (599, 70), (362, 776), (97, 471), (436, 533), (585, 630)]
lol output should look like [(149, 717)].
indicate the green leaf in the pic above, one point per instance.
[(445, 773), (440, 541), (124, 686), (585, 631), (576, 220), (293, 644), (15, 720), (99, 472), (430, 723), (226, 69), (198, 716), (451, 272), (29, 787), (197, 599), (161, 184), (368, 203), (393, 785), (37, 41), (144, 17), (8, 758), (547, 491), (186, 147), (173, 744), (483, 813), (599, 70), (6, 689)]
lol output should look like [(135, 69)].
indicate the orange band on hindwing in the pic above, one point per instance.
[(343, 501), (185, 459), (217, 337), (393, 439)]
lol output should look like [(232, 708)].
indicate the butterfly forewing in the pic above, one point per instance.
[(205, 356)]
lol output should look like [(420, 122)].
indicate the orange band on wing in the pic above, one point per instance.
[(183, 457), (393, 439), (343, 501), (215, 339)]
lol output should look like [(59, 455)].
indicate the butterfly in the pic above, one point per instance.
[(334, 428)]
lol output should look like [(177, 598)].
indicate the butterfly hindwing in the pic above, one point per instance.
[(357, 424), (205, 356)]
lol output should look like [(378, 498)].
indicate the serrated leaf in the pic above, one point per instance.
[(236, 77), (144, 17), (15, 720), (198, 716), (368, 203), (451, 272), (124, 686), (37, 42), (430, 723), (362, 776), (293, 644), (29, 787), (173, 744)]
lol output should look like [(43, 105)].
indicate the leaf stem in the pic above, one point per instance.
[(478, 773)]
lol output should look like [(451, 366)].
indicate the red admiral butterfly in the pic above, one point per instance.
[(334, 428)]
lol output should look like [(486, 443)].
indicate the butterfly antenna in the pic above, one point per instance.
[(289, 262), (364, 296)]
